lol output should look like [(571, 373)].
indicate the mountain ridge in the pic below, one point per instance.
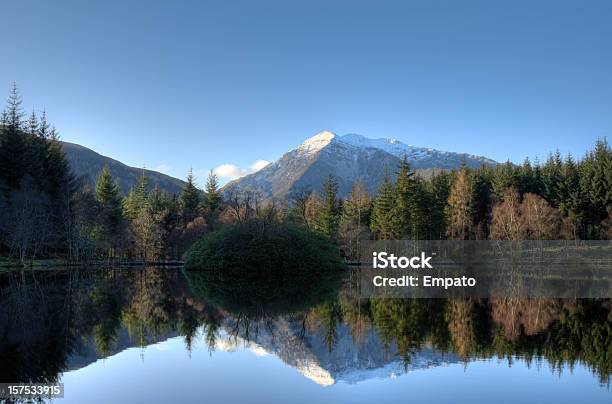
[(87, 163), (348, 158)]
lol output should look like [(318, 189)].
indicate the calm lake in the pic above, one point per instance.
[(163, 334)]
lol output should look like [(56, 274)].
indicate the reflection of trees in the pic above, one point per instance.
[(106, 310), (410, 323), (328, 315), (461, 325), (524, 315), (46, 317), (146, 313), (563, 332)]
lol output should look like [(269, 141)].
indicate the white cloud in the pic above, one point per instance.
[(258, 165), (231, 171)]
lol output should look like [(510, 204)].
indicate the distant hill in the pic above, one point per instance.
[(348, 158), (86, 163)]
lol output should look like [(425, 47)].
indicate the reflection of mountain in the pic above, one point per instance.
[(85, 350), (347, 362)]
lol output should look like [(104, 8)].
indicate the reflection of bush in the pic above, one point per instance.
[(264, 269)]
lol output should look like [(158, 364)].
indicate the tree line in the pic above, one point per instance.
[(46, 211), (560, 199)]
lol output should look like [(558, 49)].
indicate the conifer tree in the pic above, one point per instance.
[(137, 198), (56, 165), (382, 210), (329, 215), (33, 124), (570, 199), (538, 184), (526, 180), (439, 189), (551, 178), (213, 195), (596, 186), (44, 131), (190, 200), (36, 147), (405, 210), (481, 203), (504, 176), (12, 141), (109, 217)]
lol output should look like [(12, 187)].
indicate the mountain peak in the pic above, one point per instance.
[(349, 158), (317, 142)]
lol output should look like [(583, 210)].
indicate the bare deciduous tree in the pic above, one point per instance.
[(507, 223)]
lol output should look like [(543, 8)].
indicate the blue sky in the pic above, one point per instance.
[(180, 84)]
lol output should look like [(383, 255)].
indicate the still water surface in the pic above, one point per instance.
[(160, 335)]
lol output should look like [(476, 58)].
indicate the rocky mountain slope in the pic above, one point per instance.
[(349, 158)]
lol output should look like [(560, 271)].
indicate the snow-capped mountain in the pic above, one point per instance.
[(348, 158), (419, 157)]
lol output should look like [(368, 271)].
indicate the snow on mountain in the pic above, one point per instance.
[(349, 158), (316, 143), (348, 362), (419, 157)]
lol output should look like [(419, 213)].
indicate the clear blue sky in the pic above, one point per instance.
[(202, 83)]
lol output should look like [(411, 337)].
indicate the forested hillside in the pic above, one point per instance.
[(86, 163)]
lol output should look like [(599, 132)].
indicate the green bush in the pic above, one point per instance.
[(264, 269)]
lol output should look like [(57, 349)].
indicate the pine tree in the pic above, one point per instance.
[(137, 199), (382, 210), (190, 200), (109, 216), (329, 215), (33, 124), (56, 165), (504, 176), (14, 113), (570, 199), (12, 142), (36, 149), (213, 195), (44, 131), (526, 180), (405, 211), (439, 190), (551, 179), (596, 186), (481, 203), (538, 182)]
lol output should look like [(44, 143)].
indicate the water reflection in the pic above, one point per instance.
[(55, 321)]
